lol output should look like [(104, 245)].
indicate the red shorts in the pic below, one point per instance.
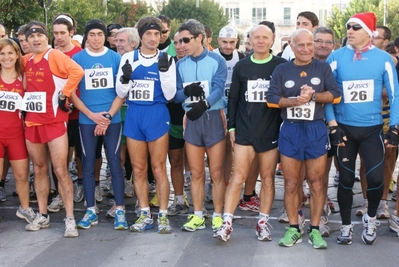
[(46, 132), (16, 148)]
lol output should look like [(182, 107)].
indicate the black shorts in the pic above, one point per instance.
[(175, 143), (259, 144)]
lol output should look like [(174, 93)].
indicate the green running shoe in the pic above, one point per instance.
[(291, 237), (194, 223), (216, 223), (316, 239)]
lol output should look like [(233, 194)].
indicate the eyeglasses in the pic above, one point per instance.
[(355, 27), (186, 40), (378, 37), (320, 42)]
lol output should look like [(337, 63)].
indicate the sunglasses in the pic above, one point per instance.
[(355, 27), (165, 31), (186, 40)]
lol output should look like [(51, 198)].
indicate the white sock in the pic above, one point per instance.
[(180, 199), (199, 214), (228, 217), (216, 215), (263, 217)]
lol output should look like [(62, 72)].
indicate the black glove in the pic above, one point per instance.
[(197, 109), (163, 63), (127, 72), (336, 135), (62, 99), (392, 136), (193, 89)]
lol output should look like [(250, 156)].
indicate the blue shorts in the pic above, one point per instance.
[(303, 140), (207, 131), (146, 123)]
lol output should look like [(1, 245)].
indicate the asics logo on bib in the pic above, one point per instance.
[(358, 86), (140, 85), (13, 97), (260, 86), (98, 73), (34, 97)]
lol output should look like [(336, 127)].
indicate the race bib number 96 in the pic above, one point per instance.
[(10, 101)]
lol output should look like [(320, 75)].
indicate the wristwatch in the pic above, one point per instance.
[(313, 97), (108, 116), (207, 104)]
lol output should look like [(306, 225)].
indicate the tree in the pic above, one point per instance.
[(208, 13), (338, 17), (14, 13)]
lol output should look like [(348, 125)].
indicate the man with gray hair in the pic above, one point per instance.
[(201, 78), (300, 88), (126, 40), (2, 31)]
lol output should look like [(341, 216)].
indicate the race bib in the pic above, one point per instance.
[(358, 91), (195, 99), (302, 112), (96, 79), (257, 90), (227, 89), (34, 102), (142, 90), (10, 101)]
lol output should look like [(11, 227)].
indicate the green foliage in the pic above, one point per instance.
[(338, 17), (14, 13), (208, 13)]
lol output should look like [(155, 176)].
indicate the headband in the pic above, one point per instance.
[(149, 26), (95, 24), (65, 17), (35, 30)]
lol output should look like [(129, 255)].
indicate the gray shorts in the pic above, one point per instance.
[(207, 131)]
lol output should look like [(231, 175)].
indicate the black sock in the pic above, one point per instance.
[(2, 183), (247, 198), (314, 227), (296, 226), (45, 215), (97, 183)]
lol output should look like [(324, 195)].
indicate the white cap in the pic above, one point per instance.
[(78, 38), (228, 32)]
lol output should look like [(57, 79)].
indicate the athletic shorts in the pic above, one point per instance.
[(46, 132), (332, 152), (146, 123), (303, 140), (259, 144), (16, 148), (207, 131), (175, 143), (74, 137)]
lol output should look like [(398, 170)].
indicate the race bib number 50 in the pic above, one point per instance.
[(34, 102), (10, 101), (96, 79)]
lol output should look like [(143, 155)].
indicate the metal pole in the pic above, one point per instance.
[(385, 12)]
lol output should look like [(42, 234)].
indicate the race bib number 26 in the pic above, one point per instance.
[(358, 91)]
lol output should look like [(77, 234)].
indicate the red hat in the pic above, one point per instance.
[(367, 20)]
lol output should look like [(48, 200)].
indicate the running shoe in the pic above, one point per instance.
[(163, 224), (324, 214), (391, 185), (301, 222), (251, 205), (291, 237), (330, 204), (137, 208), (70, 228), (98, 194), (120, 222), (193, 223), (56, 204), (187, 181), (283, 217), (3, 196), (152, 188), (363, 209), (39, 222), (154, 202), (217, 222), (111, 212), (369, 234), (345, 236), (279, 170), (78, 192), (394, 224), (336, 179), (262, 230), (317, 240), (144, 222), (186, 200), (28, 214), (383, 211), (393, 196), (129, 189), (88, 220), (177, 208), (324, 230), (224, 232)]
